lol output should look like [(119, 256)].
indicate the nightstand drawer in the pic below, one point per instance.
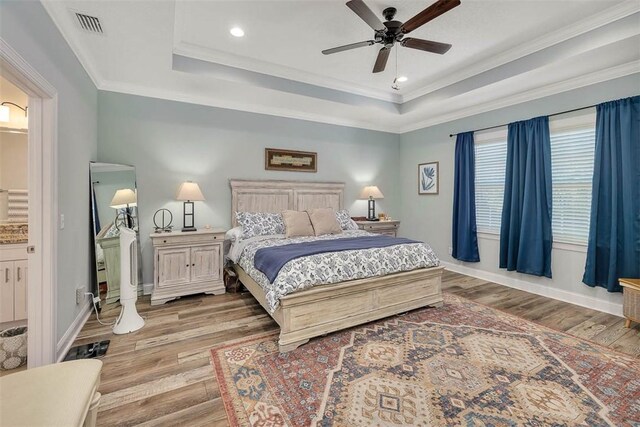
[(389, 228)]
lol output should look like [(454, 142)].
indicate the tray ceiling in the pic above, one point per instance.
[(183, 51)]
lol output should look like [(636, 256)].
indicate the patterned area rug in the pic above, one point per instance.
[(463, 364)]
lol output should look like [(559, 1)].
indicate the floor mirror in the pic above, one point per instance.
[(114, 204)]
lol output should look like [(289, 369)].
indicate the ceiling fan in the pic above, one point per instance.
[(390, 32)]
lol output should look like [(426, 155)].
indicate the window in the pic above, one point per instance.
[(572, 159), (572, 156), (491, 158)]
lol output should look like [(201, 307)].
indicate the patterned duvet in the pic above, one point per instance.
[(332, 267)]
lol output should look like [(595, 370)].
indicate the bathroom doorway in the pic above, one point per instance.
[(41, 275), (14, 226)]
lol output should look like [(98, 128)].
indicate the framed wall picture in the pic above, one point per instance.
[(290, 160), (429, 178)]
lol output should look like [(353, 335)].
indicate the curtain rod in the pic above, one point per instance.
[(549, 115)]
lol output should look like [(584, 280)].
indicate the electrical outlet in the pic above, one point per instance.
[(79, 295), (450, 250)]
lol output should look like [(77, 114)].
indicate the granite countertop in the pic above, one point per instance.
[(13, 233)]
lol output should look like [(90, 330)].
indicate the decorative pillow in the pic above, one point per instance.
[(297, 224), (346, 223), (260, 223), (234, 234), (324, 221)]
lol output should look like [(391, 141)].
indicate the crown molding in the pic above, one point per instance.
[(614, 13), (194, 51), (72, 40), (530, 95), (271, 110)]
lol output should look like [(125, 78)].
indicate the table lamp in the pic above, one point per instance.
[(371, 193), (125, 198), (189, 192)]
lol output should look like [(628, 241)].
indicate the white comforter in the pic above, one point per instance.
[(331, 267)]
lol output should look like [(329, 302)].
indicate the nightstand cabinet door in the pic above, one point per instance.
[(175, 265), (206, 263)]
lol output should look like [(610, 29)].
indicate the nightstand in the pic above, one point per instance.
[(187, 263), (389, 228)]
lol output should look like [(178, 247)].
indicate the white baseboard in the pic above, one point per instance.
[(147, 288), (74, 329), (535, 288)]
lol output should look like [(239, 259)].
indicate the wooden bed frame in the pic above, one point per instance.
[(328, 308)]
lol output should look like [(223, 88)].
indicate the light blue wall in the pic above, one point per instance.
[(170, 142), (429, 217), (27, 28)]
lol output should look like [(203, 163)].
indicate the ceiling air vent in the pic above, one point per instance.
[(89, 23)]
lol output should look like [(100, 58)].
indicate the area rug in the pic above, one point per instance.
[(463, 364)]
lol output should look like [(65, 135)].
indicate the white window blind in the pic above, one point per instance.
[(572, 158), (491, 158)]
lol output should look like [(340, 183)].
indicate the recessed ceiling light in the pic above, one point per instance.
[(236, 32), (402, 79)]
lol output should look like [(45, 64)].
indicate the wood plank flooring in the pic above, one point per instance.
[(161, 376)]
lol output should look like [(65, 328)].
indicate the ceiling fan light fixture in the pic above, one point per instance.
[(237, 32)]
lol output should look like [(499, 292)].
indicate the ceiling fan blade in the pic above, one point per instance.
[(348, 47), (430, 13), (363, 11), (426, 45), (381, 61)]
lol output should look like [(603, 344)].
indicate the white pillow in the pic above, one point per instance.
[(234, 234)]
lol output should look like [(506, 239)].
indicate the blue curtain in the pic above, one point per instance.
[(525, 232), (464, 233), (614, 231)]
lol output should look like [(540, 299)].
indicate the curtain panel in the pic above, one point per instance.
[(525, 232), (613, 248), (464, 239)]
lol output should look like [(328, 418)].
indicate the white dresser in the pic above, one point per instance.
[(187, 263)]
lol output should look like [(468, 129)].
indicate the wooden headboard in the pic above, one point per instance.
[(277, 196)]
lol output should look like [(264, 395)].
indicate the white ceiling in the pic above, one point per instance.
[(503, 51)]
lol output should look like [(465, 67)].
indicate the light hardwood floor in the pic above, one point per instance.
[(161, 374)]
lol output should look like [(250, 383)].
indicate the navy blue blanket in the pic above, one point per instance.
[(271, 260)]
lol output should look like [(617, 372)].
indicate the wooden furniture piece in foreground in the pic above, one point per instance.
[(187, 263), (389, 228), (62, 394), (328, 308), (631, 300)]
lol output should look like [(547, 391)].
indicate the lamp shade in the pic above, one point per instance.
[(4, 113), (123, 198), (371, 191), (189, 191)]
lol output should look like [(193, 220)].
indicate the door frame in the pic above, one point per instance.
[(43, 204)]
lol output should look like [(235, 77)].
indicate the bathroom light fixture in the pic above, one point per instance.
[(237, 32), (5, 111)]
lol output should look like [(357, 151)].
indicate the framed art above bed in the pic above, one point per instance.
[(325, 308), (290, 160)]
